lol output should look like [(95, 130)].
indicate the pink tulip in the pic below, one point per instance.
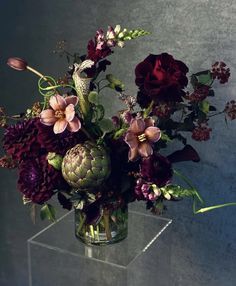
[(62, 114), (140, 136)]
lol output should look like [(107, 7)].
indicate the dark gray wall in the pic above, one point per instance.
[(196, 31)]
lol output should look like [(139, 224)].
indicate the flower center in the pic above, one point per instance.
[(59, 114), (142, 137)]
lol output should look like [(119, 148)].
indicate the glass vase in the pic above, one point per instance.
[(110, 227)]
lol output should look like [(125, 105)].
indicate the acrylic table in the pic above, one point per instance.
[(57, 258)]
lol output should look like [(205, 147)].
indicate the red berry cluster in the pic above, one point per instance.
[(230, 109), (201, 132), (220, 71)]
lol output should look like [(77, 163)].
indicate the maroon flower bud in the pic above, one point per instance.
[(17, 64)]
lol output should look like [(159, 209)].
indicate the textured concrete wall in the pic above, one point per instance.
[(198, 32)]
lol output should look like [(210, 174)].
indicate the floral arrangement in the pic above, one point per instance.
[(65, 146)]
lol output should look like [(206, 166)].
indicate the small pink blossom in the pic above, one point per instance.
[(62, 114), (140, 136)]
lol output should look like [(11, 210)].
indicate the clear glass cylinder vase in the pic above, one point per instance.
[(110, 227)]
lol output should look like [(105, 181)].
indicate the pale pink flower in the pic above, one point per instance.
[(62, 114), (140, 136)]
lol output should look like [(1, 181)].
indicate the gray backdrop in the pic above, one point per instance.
[(196, 31)]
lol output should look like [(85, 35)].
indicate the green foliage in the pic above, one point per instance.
[(93, 97), (115, 83), (202, 78), (106, 125), (119, 133), (204, 106), (48, 211)]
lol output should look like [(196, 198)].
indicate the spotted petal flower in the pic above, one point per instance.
[(140, 136), (62, 114)]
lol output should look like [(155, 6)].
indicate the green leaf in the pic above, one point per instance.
[(202, 78), (98, 113), (93, 97), (204, 106), (115, 83), (165, 137), (106, 125), (48, 211), (119, 133)]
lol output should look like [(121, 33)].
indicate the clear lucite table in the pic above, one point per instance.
[(57, 258)]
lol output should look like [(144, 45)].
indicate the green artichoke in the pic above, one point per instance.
[(86, 166)]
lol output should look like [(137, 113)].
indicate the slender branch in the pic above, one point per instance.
[(39, 74)]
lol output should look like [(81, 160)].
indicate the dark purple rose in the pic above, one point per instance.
[(38, 180), (160, 78), (156, 169)]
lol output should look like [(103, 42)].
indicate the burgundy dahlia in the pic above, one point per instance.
[(20, 140), (156, 169), (160, 78), (58, 143), (38, 180)]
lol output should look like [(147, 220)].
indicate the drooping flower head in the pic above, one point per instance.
[(160, 78), (140, 136), (62, 114)]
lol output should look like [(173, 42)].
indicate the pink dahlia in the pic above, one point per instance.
[(140, 136), (62, 114)]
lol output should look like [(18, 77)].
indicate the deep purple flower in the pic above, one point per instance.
[(144, 191), (20, 140), (95, 54), (58, 143), (38, 180), (156, 169), (160, 78)]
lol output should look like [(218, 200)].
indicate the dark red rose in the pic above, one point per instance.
[(160, 78)]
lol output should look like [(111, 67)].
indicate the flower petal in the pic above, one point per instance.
[(72, 99), (137, 125), (131, 139), (149, 122), (60, 126), (145, 149), (74, 125), (153, 133), (70, 112), (47, 117), (133, 154), (57, 102)]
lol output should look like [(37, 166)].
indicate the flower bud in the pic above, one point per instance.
[(54, 160), (17, 64)]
